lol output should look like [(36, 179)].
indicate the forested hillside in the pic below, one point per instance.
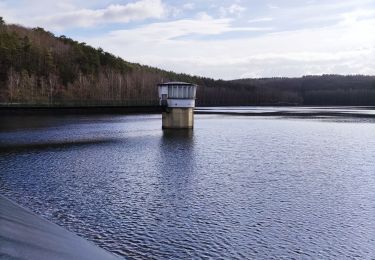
[(39, 68), (316, 90)]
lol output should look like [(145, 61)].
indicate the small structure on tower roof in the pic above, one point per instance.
[(178, 102)]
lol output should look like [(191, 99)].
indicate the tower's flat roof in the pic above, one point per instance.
[(176, 83)]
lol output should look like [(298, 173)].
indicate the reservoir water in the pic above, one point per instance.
[(237, 186)]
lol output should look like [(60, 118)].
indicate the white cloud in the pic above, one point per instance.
[(114, 13), (234, 9), (357, 15), (6, 13), (298, 38), (203, 16), (325, 11), (259, 20), (272, 6), (346, 47), (189, 6), (171, 31)]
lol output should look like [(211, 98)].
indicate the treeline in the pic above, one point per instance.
[(39, 68), (354, 90)]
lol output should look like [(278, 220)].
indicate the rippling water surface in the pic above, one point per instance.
[(235, 187)]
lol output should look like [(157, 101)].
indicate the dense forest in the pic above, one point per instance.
[(41, 69)]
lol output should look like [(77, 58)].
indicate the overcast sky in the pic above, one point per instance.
[(220, 39)]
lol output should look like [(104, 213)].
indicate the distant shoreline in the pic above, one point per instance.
[(289, 114), (42, 110), (128, 110)]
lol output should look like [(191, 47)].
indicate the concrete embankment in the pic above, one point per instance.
[(24, 235)]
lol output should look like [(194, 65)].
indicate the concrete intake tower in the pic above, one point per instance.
[(178, 102)]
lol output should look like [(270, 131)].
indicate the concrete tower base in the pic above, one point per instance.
[(178, 118)]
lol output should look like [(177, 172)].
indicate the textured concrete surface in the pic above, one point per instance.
[(24, 235), (178, 118)]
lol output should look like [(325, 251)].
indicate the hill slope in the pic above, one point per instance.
[(316, 90), (38, 68)]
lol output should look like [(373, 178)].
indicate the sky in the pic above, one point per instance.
[(219, 39)]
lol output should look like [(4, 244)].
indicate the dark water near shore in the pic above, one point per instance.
[(235, 187)]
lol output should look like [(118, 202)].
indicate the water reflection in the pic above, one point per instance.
[(177, 171), (177, 162), (179, 134), (176, 152)]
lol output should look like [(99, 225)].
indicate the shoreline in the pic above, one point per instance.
[(77, 110), (203, 110), (287, 114)]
